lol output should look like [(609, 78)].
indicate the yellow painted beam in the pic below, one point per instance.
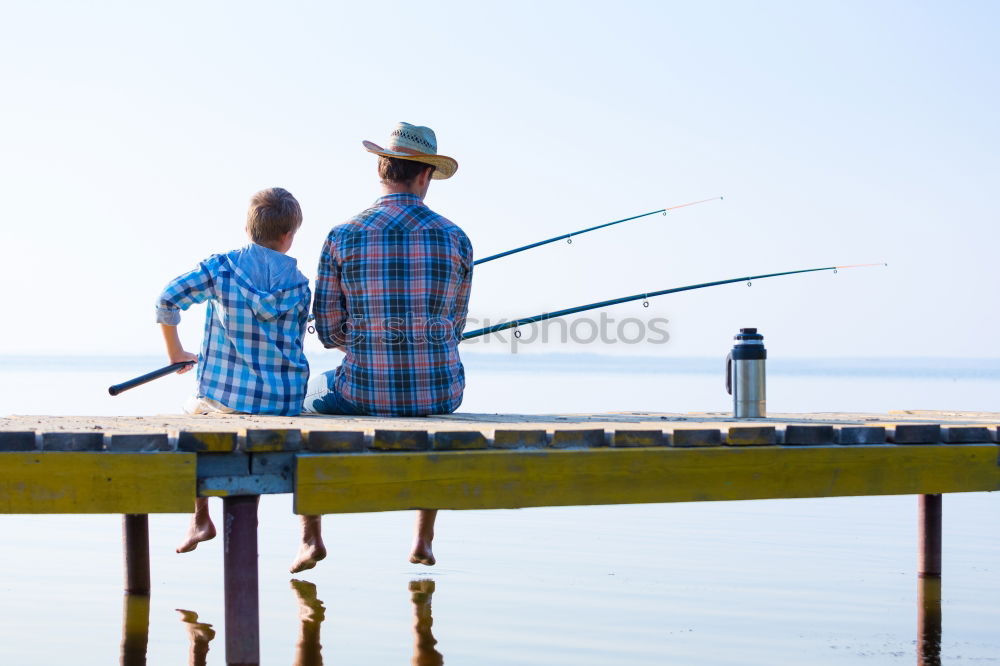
[(63, 482), (525, 478)]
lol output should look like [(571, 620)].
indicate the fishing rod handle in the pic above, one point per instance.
[(148, 377)]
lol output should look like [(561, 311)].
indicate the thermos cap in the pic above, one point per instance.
[(748, 334)]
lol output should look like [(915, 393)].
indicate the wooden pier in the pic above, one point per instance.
[(158, 464)]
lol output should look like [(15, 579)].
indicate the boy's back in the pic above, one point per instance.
[(252, 358)]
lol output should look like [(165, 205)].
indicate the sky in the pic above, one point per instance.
[(133, 134)]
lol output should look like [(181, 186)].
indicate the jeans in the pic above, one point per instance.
[(322, 397)]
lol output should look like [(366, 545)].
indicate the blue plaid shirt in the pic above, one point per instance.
[(392, 291), (251, 356)]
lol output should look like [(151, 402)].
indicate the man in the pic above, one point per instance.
[(392, 292)]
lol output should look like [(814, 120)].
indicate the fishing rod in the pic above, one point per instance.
[(148, 377), (650, 294), (569, 237)]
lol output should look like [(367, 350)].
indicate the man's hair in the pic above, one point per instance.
[(400, 171), (273, 213)]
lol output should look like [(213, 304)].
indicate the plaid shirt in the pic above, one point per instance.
[(392, 291), (251, 356)]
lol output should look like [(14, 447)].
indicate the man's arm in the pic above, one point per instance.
[(464, 289), (328, 305)]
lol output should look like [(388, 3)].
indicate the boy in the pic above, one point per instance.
[(252, 360)]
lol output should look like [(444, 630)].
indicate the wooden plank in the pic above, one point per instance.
[(751, 436), (206, 441), (520, 439), (335, 441), (18, 440), (138, 442), (72, 441), (967, 434), (634, 438), (401, 440), (70, 482), (565, 439), (861, 435), (459, 440), (269, 440), (809, 435), (913, 433), (685, 437), (525, 478)]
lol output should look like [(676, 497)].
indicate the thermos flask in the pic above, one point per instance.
[(745, 375)]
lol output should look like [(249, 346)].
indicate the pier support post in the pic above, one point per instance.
[(240, 573), (929, 563), (135, 532)]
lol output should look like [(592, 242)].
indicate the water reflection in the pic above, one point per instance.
[(929, 621), (135, 629), (312, 612), (424, 651), (200, 633)]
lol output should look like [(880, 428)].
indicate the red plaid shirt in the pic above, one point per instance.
[(392, 291)]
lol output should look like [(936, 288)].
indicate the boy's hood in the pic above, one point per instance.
[(269, 281)]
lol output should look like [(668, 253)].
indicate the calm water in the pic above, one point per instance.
[(827, 581)]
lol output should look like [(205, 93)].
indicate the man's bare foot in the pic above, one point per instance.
[(200, 530), (309, 554), (312, 549), (422, 553), (424, 537)]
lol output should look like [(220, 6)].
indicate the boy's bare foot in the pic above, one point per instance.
[(422, 553), (200, 530), (312, 549), (309, 554)]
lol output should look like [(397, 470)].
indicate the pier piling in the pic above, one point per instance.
[(240, 574), (135, 530), (929, 564)]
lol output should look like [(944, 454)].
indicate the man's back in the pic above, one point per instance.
[(393, 292)]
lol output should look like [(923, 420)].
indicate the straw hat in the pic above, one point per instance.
[(412, 142)]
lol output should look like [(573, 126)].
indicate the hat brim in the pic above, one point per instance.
[(444, 167)]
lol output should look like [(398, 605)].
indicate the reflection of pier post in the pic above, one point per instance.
[(929, 621), (135, 532), (240, 573), (135, 629)]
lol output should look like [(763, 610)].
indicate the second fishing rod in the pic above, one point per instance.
[(568, 237)]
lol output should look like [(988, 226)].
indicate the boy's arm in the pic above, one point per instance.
[(175, 350), (329, 306), (188, 289)]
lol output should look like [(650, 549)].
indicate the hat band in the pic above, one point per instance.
[(411, 142)]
